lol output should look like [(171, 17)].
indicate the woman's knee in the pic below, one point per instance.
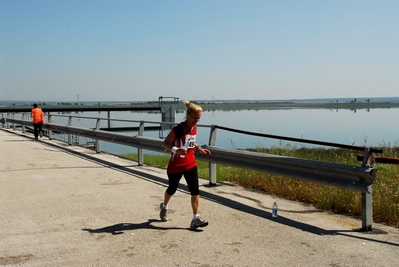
[(171, 191)]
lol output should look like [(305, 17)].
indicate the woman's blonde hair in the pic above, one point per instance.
[(192, 108)]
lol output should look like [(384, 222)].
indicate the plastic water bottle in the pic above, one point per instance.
[(274, 209)]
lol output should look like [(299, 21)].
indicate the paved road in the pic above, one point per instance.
[(67, 206)]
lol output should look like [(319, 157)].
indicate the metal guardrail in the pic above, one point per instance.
[(339, 175)]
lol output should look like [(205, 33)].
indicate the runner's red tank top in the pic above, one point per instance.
[(183, 137)]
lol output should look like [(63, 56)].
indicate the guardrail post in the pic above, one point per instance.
[(212, 166), (367, 196), (110, 123), (2, 120), (98, 142), (7, 122), (70, 137), (140, 151), (50, 120), (23, 118), (13, 125), (367, 209)]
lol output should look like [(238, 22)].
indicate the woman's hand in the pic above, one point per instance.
[(205, 152)]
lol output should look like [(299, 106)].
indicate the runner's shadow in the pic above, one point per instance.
[(120, 228)]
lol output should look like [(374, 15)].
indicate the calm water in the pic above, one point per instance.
[(371, 128)]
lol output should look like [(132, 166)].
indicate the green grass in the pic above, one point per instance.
[(338, 200)]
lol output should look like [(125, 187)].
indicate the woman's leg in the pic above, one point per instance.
[(191, 177), (195, 204), (166, 198), (173, 180)]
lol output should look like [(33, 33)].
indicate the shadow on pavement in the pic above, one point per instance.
[(120, 228)]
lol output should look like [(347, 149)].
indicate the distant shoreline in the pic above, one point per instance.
[(292, 105), (261, 102), (212, 106)]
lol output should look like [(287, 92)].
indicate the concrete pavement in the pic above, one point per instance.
[(68, 206)]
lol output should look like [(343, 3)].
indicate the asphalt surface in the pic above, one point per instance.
[(68, 206)]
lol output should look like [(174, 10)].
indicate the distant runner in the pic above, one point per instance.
[(37, 120)]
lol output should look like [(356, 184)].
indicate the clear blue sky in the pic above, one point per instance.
[(191, 49)]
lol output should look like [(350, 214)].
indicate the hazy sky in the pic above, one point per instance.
[(198, 49)]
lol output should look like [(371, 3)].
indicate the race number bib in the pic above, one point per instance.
[(190, 141)]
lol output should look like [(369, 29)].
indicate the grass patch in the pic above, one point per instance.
[(329, 198)]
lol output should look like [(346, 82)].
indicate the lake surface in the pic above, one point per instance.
[(372, 127)]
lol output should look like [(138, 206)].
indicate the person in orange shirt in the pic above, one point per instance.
[(37, 120)]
